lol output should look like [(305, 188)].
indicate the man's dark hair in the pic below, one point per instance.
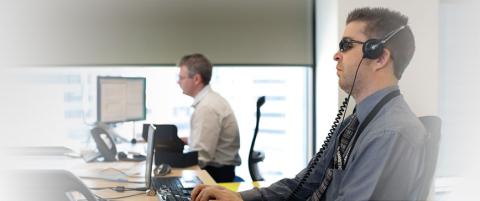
[(380, 22), (197, 63)]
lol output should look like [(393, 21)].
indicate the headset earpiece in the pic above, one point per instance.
[(372, 48)]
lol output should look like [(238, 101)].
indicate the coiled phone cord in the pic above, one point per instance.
[(336, 122), (314, 162)]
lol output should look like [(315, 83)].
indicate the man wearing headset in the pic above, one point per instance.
[(378, 152)]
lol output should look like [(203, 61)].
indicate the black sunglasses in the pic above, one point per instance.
[(347, 43)]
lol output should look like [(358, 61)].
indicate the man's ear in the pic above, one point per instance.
[(197, 79), (383, 60)]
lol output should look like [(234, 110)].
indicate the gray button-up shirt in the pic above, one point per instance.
[(386, 163)]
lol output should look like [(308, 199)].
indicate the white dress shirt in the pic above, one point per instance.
[(214, 130)]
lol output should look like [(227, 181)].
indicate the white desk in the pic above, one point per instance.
[(134, 170)]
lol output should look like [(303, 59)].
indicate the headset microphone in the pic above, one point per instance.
[(373, 48)]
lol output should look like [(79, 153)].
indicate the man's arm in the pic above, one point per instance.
[(277, 191), (282, 189)]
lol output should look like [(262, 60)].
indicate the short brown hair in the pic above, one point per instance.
[(197, 63), (380, 22)]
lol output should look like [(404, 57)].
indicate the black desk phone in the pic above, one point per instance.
[(107, 149)]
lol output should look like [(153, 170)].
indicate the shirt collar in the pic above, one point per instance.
[(201, 94), (364, 107)]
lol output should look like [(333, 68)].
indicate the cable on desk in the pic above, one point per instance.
[(110, 169), (115, 180), (115, 198), (119, 189), (116, 170)]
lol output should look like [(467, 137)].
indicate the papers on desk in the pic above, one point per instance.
[(114, 171)]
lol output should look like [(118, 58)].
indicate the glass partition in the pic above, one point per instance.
[(61, 107)]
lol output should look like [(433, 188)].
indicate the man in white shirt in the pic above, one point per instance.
[(213, 127)]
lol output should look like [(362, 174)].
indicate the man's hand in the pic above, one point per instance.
[(207, 192)]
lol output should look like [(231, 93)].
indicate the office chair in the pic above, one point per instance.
[(52, 185), (254, 157), (433, 126)]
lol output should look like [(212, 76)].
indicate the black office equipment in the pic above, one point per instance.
[(105, 144), (149, 160), (169, 148), (166, 188), (166, 138), (107, 149), (162, 170), (178, 160), (373, 48), (52, 185), (175, 188), (254, 157)]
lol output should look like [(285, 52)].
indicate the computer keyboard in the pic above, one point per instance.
[(171, 189)]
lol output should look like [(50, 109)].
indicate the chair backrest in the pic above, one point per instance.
[(253, 156), (52, 185), (260, 102), (433, 126)]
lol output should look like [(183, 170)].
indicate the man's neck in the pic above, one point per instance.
[(368, 90), (197, 90)]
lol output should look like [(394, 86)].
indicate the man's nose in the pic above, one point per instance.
[(337, 56)]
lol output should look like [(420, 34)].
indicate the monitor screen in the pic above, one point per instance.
[(149, 161), (120, 99)]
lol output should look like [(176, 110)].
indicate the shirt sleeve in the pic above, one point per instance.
[(282, 189), (206, 127), (279, 190)]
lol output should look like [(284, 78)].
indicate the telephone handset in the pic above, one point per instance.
[(105, 144)]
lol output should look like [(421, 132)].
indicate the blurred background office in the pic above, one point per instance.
[(52, 52)]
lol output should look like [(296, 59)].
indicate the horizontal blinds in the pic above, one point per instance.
[(78, 32)]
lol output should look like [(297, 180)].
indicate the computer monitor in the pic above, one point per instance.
[(149, 160), (120, 99)]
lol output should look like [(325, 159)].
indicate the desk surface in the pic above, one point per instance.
[(90, 173), (241, 186)]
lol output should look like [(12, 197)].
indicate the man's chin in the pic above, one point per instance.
[(343, 87), (185, 93)]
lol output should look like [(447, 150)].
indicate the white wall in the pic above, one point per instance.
[(327, 34), (419, 83), (459, 96)]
